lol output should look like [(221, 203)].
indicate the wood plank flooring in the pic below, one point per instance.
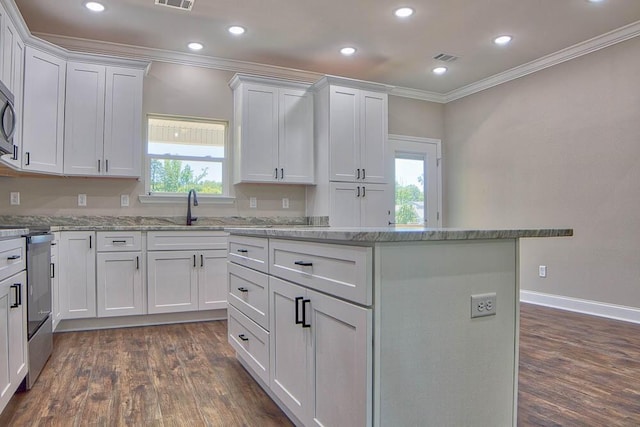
[(575, 370)]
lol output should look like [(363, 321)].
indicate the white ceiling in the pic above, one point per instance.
[(307, 35)]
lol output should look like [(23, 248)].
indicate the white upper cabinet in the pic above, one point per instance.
[(43, 116), (273, 131), (103, 119), (359, 205), (12, 75)]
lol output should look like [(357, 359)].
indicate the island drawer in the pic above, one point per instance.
[(118, 241), (186, 240), (252, 252), (249, 293), (250, 341), (339, 270), (12, 257)]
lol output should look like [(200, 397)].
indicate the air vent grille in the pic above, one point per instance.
[(445, 57), (177, 4)]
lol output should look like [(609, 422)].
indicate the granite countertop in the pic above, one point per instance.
[(395, 234), (11, 233)]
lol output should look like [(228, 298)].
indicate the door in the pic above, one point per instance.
[(295, 141), (373, 136), (212, 280), (416, 166), (344, 133), (340, 353), (43, 114), (288, 352), (120, 284), (123, 122), (172, 281), (77, 283), (344, 204), (375, 210), (84, 119)]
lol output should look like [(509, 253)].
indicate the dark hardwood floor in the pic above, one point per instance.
[(575, 370)]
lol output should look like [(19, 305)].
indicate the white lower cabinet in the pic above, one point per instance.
[(56, 314), (172, 281), (77, 285), (120, 285)]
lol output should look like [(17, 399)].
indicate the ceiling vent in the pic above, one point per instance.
[(177, 4), (445, 57)]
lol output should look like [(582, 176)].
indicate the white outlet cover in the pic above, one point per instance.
[(253, 202), (542, 271), (15, 198), (82, 200), (124, 200), (285, 203)]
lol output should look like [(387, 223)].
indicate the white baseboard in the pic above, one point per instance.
[(594, 308)]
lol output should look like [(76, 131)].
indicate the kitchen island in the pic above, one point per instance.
[(380, 326)]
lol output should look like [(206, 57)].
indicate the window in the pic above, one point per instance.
[(185, 153), (409, 188)]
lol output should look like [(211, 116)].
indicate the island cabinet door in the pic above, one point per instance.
[(340, 356), (288, 352)]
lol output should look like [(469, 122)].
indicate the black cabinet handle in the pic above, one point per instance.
[(298, 320), (15, 152), (358, 191), (201, 260), (357, 173), (243, 290), (106, 165), (13, 257), (364, 191), (276, 173), (90, 241), (242, 251), (99, 165), (364, 174), (194, 260), (281, 173), (53, 270), (304, 263), (28, 156), (18, 295), (118, 241), (137, 263), (243, 337), (304, 313)]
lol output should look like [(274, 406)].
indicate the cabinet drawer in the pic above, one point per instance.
[(185, 240), (249, 293), (250, 341), (252, 252), (12, 257), (343, 271), (119, 241)]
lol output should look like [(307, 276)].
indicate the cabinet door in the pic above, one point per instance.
[(56, 314), (84, 119), (43, 112), (6, 300), (373, 136), (172, 281), (9, 34), (288, 352), (344, 133), (259, 134), (77, 284), (123, 122), (295, 149), (120, 284), (340, 362), (344, 204), (12, 76), (375, 205), (212, 280)]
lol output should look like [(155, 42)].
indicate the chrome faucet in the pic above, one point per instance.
[(190, 218)]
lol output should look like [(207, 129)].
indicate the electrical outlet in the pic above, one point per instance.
[(542, 271), (483, 305), (82, 200), (15, 198), (124, 200), (285, 203), (253, 202)]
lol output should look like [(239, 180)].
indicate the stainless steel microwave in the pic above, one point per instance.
[(7, 121)]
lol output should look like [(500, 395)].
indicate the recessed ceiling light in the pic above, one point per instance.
[(236, 30), (195, 46), (502, 40), (403, 12), (94, 6), (439, 70), (348, 51), (596, 1)]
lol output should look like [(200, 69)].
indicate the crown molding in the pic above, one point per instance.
[(600, 42), (423, 95)]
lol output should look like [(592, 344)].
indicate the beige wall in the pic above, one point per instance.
[(412, 117), (558, 148)]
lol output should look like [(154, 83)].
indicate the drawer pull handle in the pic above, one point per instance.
[(304, 263), (18, 295), (298, 320), (243, 290), (121, 242), (243, 337), (304, 313), (242, 251), (13, 257)]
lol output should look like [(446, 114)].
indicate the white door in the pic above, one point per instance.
[(43, 115), (123, 122), (212, 279), (375, 210), (172, 281), (295, 146), (344, 133), (84, 119), (344, 204), (77, 284), (18, 328), (373, 136), (341, 362), (288, 352), (416, 166), (120, 284)]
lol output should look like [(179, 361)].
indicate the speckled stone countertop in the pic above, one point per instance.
[(394, 234), (11, 233)]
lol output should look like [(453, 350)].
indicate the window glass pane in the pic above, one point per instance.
[(178, 176), (409, 189), (186, 138)]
